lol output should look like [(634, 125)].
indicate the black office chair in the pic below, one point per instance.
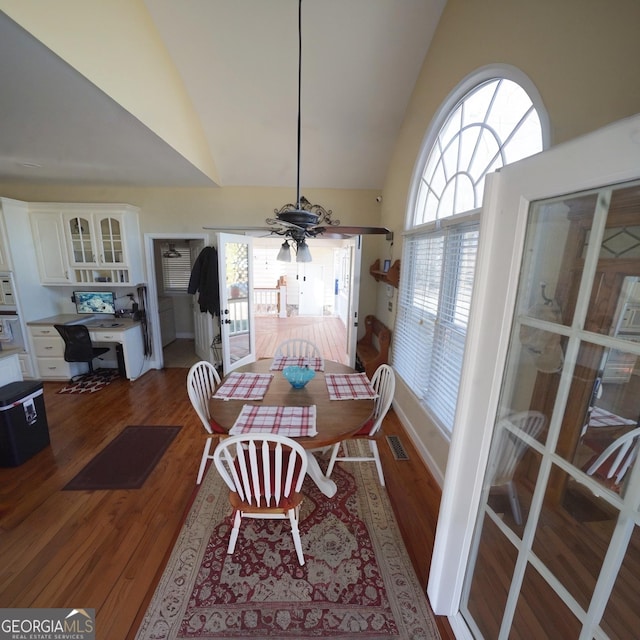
[(77, 344)]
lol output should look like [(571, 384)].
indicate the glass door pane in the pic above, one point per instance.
[(111, 243), (556, 543), (79, 231)]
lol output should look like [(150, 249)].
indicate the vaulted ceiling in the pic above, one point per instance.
[(238, 61)]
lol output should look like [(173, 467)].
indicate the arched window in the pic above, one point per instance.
[(488, 122)]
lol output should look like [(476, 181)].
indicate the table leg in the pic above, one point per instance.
[(326, 485)]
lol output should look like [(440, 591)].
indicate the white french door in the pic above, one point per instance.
[(310, 289), (237, 326), (355, 252), (555, 554)]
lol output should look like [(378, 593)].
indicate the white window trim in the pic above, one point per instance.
[(464, 89), (469, 83)]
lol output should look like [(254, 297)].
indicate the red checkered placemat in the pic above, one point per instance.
[(285, 421), (601, 418), (349, 386), (280, 362), (244, 386)]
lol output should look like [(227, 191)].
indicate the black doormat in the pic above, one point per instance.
[(127, 461)]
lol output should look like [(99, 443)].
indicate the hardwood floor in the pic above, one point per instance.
[(106, 549), (327, 332)]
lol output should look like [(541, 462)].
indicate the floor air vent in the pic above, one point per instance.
[(396, 448)]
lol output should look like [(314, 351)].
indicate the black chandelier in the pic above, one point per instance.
[(302, 216)]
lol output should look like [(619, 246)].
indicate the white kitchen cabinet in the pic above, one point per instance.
[(101, 243), (48, 346), (9, 369), (48, 236), (5, 256)]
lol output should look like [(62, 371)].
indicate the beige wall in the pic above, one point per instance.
[(580, 54)]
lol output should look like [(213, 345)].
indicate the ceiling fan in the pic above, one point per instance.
[(302, 220)]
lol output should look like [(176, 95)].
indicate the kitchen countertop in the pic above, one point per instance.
[(93, 322)]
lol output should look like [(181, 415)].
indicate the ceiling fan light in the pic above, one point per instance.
[(303, 254), (284, 255)]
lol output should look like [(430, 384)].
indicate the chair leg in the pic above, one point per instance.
[(376, 456), (515, 503), (295, 532), (332, 460), (237, 518), (203, 460)]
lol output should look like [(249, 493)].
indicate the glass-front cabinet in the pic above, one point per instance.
[(111, 245), (101, 242), (95, 240)]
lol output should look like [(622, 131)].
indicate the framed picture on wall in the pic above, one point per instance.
[(387, 265)]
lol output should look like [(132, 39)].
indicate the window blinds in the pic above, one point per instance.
[(433, 314), (177, 271)]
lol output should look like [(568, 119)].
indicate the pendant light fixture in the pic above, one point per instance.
[(171, 252), (284, 255)]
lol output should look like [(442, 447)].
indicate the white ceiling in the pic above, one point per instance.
[(239, 63)]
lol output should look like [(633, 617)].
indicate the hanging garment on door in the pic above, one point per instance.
[(544, 346), (204, 278)]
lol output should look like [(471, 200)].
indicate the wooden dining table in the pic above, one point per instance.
[(335, 419)]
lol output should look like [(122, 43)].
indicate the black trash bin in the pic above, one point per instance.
[(23, 422)]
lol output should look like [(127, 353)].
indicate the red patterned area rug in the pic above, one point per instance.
[(91, 382), (357, 581)]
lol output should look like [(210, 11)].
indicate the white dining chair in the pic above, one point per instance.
[(202, 381), (264, 473), (384, 383), (298, 347), (508, 451), (626, 449)]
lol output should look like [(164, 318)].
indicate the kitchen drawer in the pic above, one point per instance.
[(106, 336), (55, 368), (51, 347), (43, 330)]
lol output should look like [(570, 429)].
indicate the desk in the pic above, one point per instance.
[(335, 419), (49, 346)]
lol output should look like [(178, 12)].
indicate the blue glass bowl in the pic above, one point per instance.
[(298, 376)]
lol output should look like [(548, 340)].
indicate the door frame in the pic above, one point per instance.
[(607, 156), (153, 315)]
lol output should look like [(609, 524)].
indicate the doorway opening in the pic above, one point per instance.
[(303, 299), (173, 259), (318, 297)]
